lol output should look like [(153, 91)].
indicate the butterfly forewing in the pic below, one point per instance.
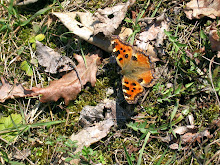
[(122, 52)]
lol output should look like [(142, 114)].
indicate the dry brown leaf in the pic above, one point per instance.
[(198, 9), (193, 137), (214, 38), (111, 17), (104, 20), (69, 85), (180, 130), (8, 91), (189, 138), (52, 60)]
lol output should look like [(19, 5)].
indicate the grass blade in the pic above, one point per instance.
[(161, 158), (142, 149), (127, 155)]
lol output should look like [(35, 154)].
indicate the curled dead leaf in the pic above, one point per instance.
[(21, 155)]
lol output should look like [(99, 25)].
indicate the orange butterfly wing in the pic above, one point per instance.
[(136, 67)]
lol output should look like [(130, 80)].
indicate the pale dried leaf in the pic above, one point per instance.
[(25, 2), (180, 130), (125, 33), (8, 91), (198, 9), (111, 17), (174, 146), (91, 114), (52, 60), (191, 119), (21, 155), (153, 32), (84, 29), (93, 134)]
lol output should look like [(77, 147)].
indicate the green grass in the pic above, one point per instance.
[(184, 88)]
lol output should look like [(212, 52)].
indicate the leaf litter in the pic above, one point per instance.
[(67, 87), (104, 21), (197, 9)]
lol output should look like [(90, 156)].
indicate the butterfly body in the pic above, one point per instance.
[(137, 69)]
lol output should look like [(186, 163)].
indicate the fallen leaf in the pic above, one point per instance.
[(111, 17), (153, 31), (180, 130), (189, 138), (90, 135), (125, 33), (85, 28), (25, 2), (174, 146), (69, 86), (21, 155), (193, 137), (9, 91), (198, 9), (214, 38), (91, 114), (89, 25), (52, 60)]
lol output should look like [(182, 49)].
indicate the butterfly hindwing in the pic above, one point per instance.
[(132, 90)]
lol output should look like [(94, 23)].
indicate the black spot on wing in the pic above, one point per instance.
[(134, 58), (126, 88), (134, 84), (127, 95), (120, 59), (114, 44), (126, 55), (140, 80), (117, 53)]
